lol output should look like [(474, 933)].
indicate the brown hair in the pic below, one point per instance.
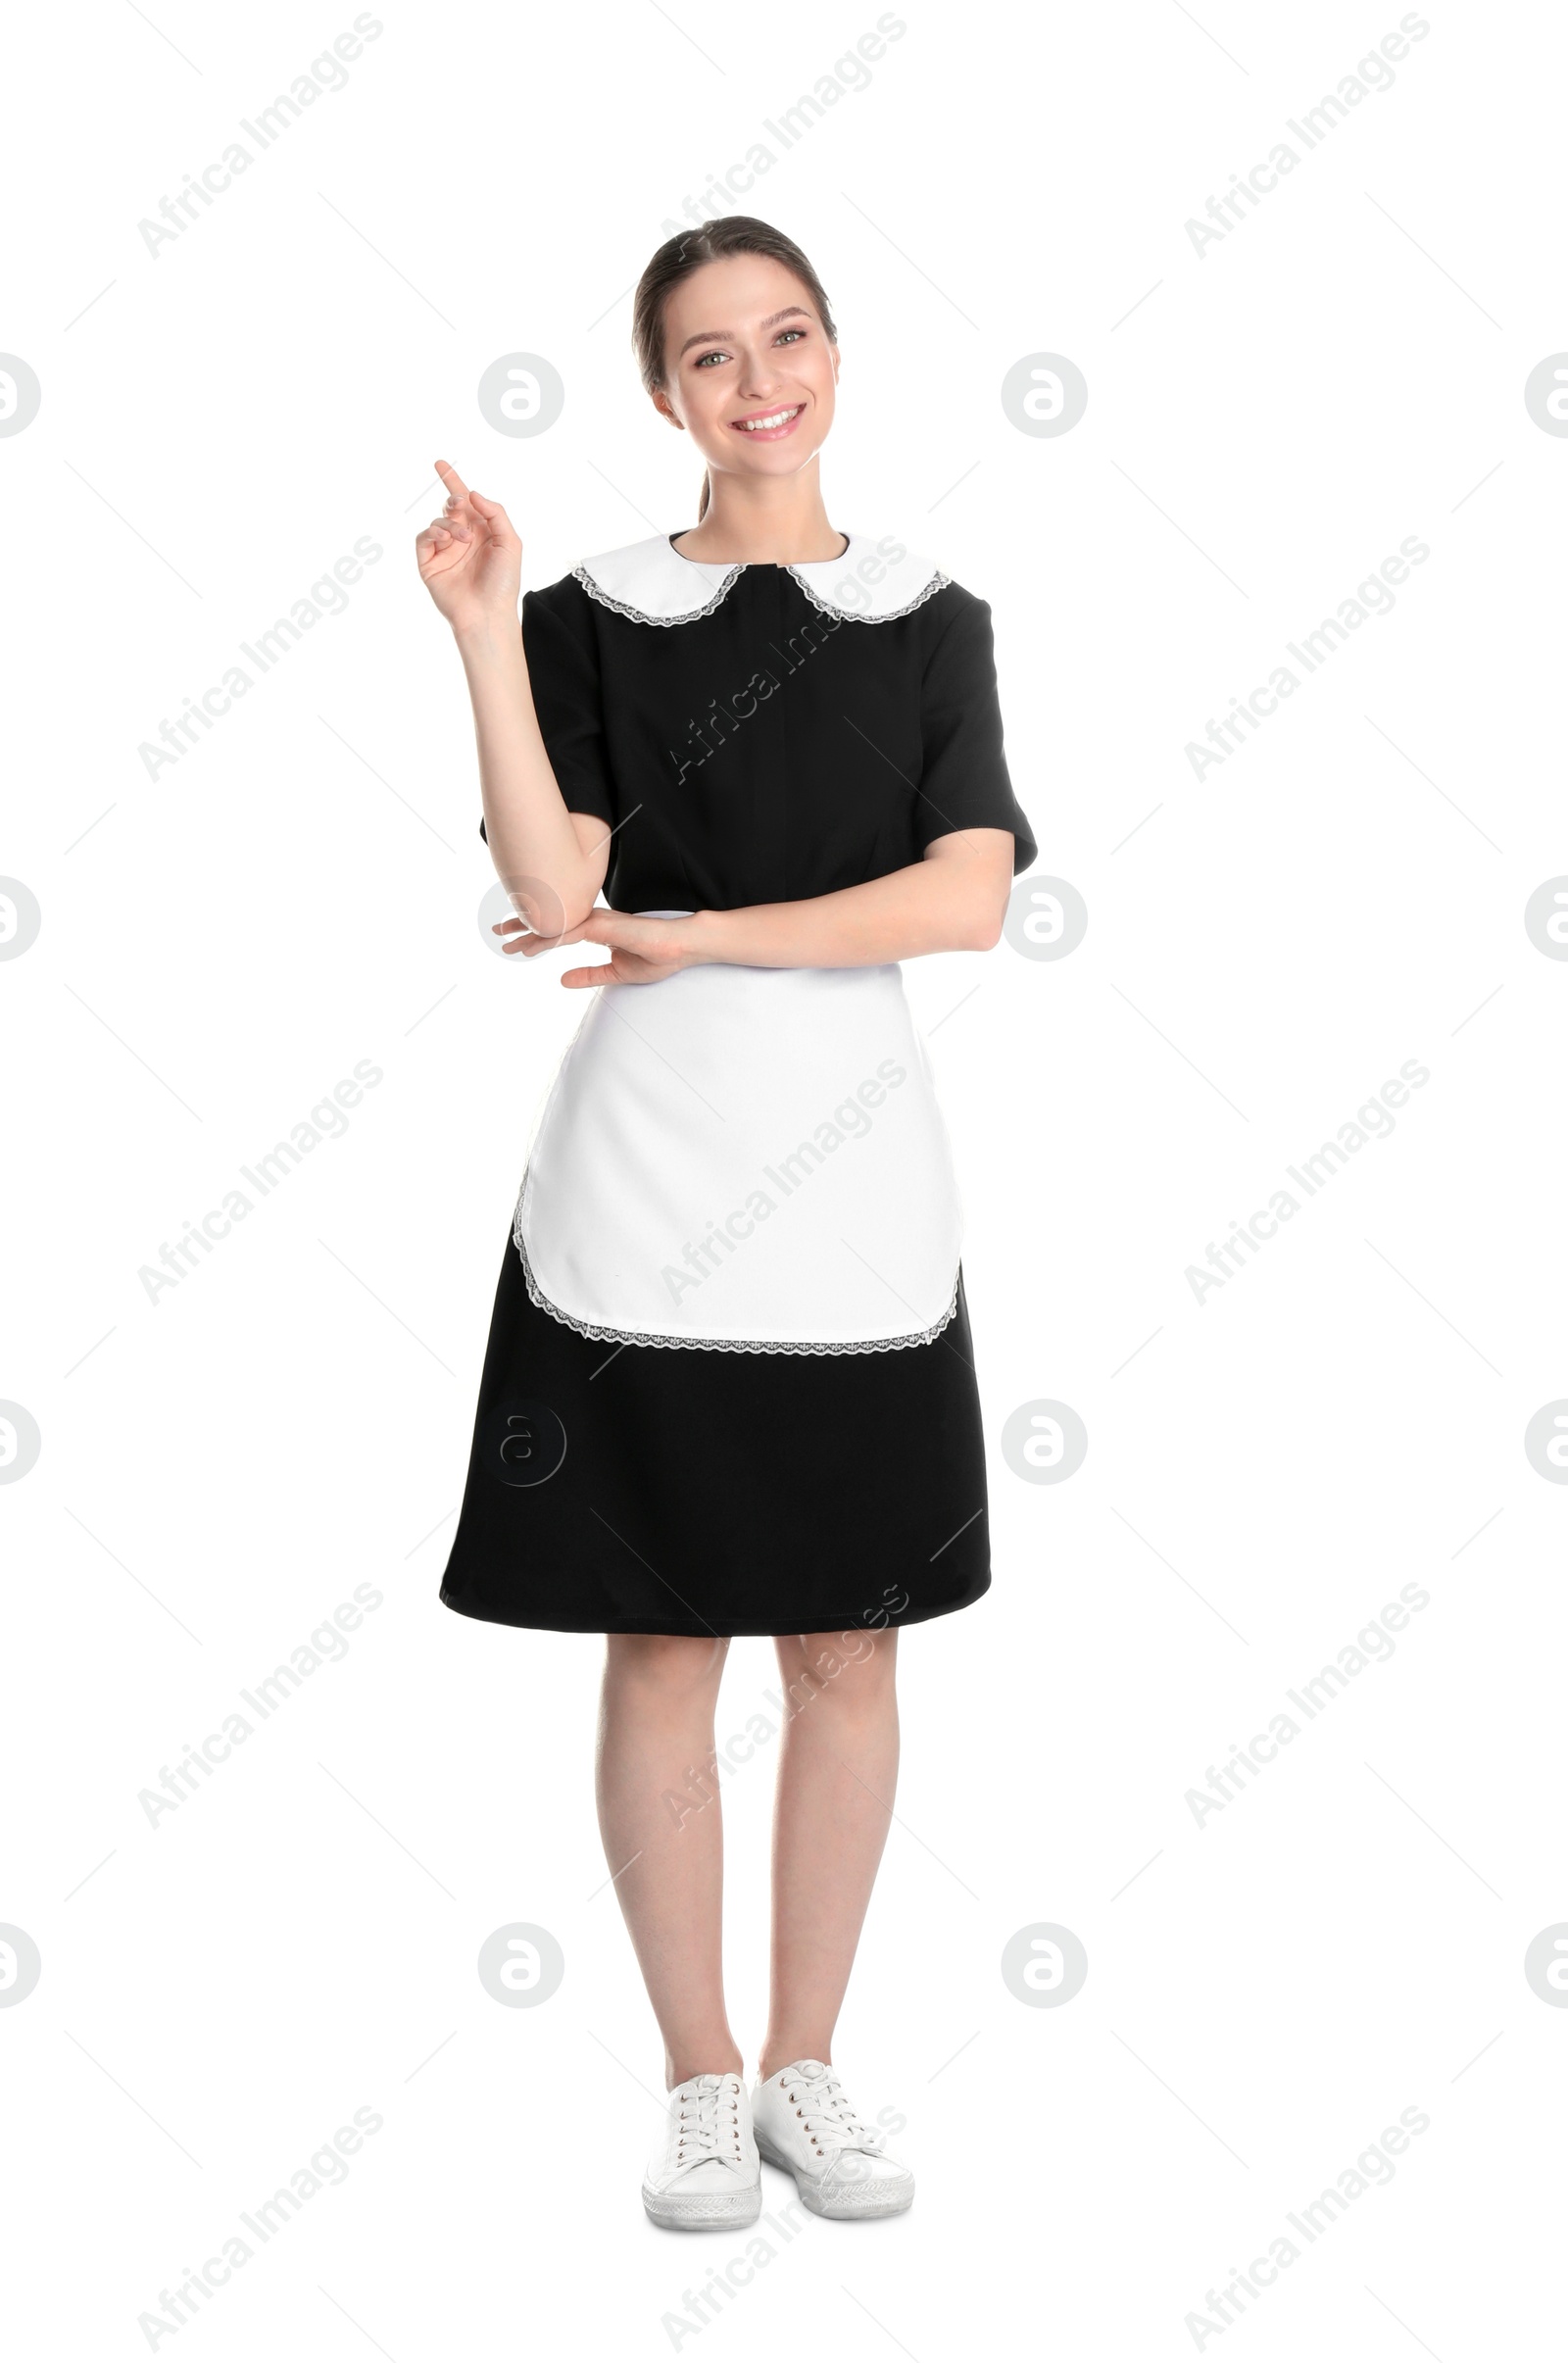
[(679, 257)]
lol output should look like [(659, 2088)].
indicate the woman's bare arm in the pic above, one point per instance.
[(551, 860), (954, 900)]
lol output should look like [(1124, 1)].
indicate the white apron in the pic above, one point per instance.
[(745, 1159)]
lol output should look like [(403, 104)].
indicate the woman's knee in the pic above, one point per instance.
[(856, 1669), (670, 1664)]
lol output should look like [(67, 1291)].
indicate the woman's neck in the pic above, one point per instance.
[(783, 524)]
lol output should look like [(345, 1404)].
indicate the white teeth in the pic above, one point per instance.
[(755, 427)]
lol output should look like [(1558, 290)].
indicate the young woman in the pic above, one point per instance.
[(729, 1385)]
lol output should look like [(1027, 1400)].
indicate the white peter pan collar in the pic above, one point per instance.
[(650, 582)]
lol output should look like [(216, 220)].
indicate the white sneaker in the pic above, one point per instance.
[(704, 2177), (805, 2123)]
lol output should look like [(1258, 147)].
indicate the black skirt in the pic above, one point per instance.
[(683, 1488)]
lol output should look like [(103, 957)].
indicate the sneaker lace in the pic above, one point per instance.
[(830, 2119), (708, 2122)]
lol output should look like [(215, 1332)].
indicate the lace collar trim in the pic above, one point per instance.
[(650, 582)]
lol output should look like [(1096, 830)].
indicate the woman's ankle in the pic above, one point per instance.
[(706, 2059), (773, 2058)]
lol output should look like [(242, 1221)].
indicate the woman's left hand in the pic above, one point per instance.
[(642, 951)]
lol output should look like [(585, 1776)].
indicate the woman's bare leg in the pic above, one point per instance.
[(655, 1738), (838, 1765)]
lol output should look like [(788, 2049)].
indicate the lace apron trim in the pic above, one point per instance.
[(648, 1337)]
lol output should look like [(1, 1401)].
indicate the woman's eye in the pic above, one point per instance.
[(786, 336)]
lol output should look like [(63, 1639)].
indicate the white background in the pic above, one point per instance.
[(1266, 421)]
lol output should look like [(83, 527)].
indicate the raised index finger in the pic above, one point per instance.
[(451, 479)]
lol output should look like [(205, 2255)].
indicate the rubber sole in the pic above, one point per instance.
[(811, 2196), (706, 2211)]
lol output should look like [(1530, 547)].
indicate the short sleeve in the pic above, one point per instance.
[(561, 653), (965, 782)]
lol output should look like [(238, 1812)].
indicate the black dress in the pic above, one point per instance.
[(729, 1386)]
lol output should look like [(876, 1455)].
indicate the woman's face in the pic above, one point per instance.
[(743, 342)]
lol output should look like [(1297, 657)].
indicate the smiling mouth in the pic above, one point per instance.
[(768, 426)]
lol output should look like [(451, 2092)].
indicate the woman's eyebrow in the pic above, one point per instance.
[(714, 336)]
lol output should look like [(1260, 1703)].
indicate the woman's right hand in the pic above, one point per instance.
[(470, 561)]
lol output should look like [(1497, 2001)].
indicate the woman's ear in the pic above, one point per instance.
[(661, 405)]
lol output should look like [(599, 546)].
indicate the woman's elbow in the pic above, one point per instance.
[(983, 927), (552, 907)]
